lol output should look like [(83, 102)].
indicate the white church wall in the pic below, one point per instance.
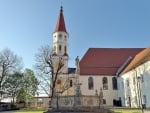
[(145, 85), (109, 95), (121, 89), (130, 95), (130, 89)]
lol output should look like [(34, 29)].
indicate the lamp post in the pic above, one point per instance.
[(140, 92)]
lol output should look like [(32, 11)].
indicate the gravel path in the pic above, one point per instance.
[(146, 111)]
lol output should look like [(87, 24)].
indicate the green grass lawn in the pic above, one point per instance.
[(30, 111), (127, 111), (115, 110)]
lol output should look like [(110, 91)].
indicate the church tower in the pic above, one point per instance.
[(60, 38)]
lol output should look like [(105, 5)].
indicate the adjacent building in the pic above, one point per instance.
[(133, 81)]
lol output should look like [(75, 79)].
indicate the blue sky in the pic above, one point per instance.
[(26, 25)]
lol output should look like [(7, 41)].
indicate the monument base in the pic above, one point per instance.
[(79, 110)]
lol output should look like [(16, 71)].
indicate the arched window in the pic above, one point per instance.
[(59, 47), (65, 38), (70, 83), (114, 83), (105, 83), (90, 83)]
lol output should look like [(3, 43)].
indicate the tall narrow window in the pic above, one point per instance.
[(59, 47), (114, 83), (127, 82), (65, 38), (105, 83), (142, 78), (65, 48), (90, 83), (104, 101), (144, 99), (70, 83)]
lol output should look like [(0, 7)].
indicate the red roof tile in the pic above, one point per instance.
[(139, 59), (105, 61), (60, 26)]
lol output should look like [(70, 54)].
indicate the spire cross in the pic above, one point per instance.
[(61, 7)]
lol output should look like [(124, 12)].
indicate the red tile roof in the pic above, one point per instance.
[(105, 61), (60, 26), (139, 59)]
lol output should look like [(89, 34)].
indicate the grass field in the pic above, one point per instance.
[(29, 112), (127, 111), (115, 110)]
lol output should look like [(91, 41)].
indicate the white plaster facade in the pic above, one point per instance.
[(60, 48), (132, 91), (60, 39), (108, 95)]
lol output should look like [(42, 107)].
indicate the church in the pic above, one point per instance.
[(122, 74)]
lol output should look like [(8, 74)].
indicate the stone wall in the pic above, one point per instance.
[(74, 101)]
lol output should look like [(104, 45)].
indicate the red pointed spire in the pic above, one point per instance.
[(60, 26)]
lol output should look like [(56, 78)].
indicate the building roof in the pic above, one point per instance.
[(105, 61), (60, 26), (139, 59)]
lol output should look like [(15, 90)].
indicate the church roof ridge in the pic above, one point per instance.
[(105, 61)]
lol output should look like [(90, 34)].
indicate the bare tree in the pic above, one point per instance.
[(9, 63), (49, 66)]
